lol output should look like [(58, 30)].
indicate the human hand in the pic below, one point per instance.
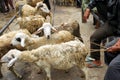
[(86, 14), (115, 47)]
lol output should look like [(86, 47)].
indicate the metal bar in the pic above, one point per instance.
[(7, 25), (10, 21)]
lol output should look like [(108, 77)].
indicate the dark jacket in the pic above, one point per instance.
[(101, 6), (114, 14), (112, 8)]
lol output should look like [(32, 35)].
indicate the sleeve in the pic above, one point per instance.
[(85, 4), (92, 4), (118, 13)]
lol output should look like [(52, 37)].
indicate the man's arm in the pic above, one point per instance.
[(91, 5)]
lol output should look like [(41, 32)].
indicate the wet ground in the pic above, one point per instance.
[(29, 71)]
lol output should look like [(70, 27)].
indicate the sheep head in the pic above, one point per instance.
[(42, 7), (11, 57), (19, 39), (47, 28)]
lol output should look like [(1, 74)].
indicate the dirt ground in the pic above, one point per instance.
[(29, 71)]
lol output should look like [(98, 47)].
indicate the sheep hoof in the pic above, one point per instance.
[(1, 75), (66, 71), (82, 76), (19, 76), (47, 78), (39, 72)]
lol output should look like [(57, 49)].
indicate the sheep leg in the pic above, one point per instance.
[(15, 72), (0, 71), (47, 70)]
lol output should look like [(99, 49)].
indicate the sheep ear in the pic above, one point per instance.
[(55, 30), (12, 62), (40, 28), (23, 42)]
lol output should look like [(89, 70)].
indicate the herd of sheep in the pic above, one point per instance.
[(58, 47)]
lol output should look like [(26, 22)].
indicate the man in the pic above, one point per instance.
[(84, 7), (78, 3), (109, 11), (112, 59), (2, 5)]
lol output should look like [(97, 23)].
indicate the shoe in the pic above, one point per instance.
[(94, 64), (89, 59)]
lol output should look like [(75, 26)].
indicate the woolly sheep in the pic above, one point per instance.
[(31, 23), (40, 9), (28, 42), (19, 4), (5, 41), (33, 2), (47, 29), (72, 26), (59, 56)]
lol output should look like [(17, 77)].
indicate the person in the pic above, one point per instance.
[(109, 11), (2, 5), (7, 3), (112, 59), (84, 7), (78, 3), (47, 3)]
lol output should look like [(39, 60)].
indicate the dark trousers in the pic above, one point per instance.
[(113, 62), (9, 2), (99, 35), (2, 5), (78, 3)]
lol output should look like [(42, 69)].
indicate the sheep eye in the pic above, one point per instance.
[(18, 39)]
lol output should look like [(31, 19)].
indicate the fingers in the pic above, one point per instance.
[(86, 14)]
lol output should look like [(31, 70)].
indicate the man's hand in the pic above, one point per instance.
[(86, 13), (115, 47)]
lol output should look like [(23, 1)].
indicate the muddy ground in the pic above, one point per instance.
[(29, 71)]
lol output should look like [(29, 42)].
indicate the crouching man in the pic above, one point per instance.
[(112, 59)]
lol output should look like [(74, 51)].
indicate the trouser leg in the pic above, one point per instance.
[(113, 71), (11, 3), (6, 3), (108, 56), (2, 4), (96, 38)]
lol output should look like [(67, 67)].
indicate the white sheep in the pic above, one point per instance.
[(47, 28), (33, 2), (5, 43), (59, 56), (40, 9), (28, 42), (72, 26), (31, 23)]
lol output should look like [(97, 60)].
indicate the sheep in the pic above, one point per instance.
[(5, 41), (43, 10), (33, 2), (40, 9), (72, 26), (28, 42), (47, 29), (18, 4), (31, 23), (59, 56)]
